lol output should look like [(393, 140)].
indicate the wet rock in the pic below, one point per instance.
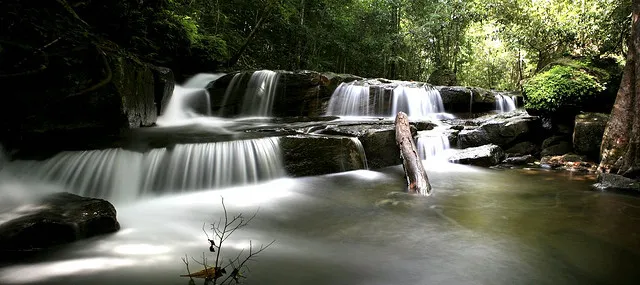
[(611, 182), (486, 155), (587, 133), (570, 162), (559, 148), (502, 130), (550, 141), (519, 160), (423, 125), (164, 83), (305, 155), (523, 148), (380, 147), (459, 99), (56, 219)]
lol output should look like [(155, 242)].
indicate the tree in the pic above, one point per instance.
[(620, 150)]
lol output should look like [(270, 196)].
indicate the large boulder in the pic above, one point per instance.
[(381, 148), (306, 155), (459, 99), (56, 219), (486, 155), (503, 130), (587, 133)]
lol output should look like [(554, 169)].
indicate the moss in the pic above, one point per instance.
[(565, 84)]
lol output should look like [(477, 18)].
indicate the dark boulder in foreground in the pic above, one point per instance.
[(56, 219), (307, 155), (486, 155)]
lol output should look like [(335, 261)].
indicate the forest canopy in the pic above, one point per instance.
[(487, 43)]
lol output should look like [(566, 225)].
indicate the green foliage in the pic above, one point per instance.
[(562, 86)]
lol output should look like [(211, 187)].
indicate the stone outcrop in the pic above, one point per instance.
[(305, 155), (486, 155), (56, 219), (164, 83), (95, 96), (587, 133), (460, 99), (300, 93), (503, 130)]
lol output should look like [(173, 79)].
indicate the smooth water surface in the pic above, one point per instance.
[(481, 226)]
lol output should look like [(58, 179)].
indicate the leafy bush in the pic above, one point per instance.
[(564, 85)]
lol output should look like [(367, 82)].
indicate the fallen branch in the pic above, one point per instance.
[(417, 179)]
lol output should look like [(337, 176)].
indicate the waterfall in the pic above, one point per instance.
[(416, 101), (515, 101), (260, 94), (201, 80), (349, 99), (504, 103), (190, 101), (120, 174), (360, 148), (432, 145)]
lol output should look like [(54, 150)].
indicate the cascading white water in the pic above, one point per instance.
[(515, 101), (260, 94), (433, 145), (349, 99), (360, 148), (124, 175), (416, 101), (504, 103), (188, 102)]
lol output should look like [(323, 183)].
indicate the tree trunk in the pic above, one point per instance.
[(620, 149), (411, 162)]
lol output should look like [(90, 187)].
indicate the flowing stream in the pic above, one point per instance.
[(481, 226)]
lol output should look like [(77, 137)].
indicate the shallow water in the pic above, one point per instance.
[(481, 226)]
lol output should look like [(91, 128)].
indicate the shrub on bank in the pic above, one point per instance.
[(570, 84)]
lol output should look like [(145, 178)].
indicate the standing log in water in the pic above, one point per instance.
[(411, 162)]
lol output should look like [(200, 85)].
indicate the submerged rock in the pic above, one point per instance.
[(486, 155), (587, 133), (56, 219), (306, 155)]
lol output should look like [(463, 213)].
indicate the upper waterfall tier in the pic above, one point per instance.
[(385, 99)]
